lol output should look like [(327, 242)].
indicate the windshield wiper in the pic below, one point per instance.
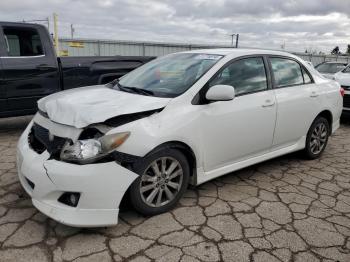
[(115, 83), (136, 90)]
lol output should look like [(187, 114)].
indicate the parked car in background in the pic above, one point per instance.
[(181, 119), (30, 70), (343, 78), (328, 69)]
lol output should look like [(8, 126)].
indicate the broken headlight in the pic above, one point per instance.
[(89, 150)]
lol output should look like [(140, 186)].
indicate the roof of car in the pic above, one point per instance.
[(238, 51), (335, 62), (3, 23)]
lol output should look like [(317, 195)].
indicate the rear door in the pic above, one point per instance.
[(30, 67), (297, 100)]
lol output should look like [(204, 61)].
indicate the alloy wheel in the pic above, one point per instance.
[(318, 138), (161, 181)]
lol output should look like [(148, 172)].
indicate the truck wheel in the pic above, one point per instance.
[(317, 138), (163, 179)]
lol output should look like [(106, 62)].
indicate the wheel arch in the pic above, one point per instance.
[(183, 148), (187, 151), (327, 114)]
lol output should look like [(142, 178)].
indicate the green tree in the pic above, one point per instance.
[(348, 50)]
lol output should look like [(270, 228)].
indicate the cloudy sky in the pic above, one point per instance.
[(300, 24)]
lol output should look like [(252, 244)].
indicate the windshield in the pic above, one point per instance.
[(168, 76), (330, 68)]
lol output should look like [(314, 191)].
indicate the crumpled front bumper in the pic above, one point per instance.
[(101, 186)]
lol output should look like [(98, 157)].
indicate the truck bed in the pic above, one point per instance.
[(90, 70)]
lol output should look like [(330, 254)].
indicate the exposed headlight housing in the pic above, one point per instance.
[(90, 150)]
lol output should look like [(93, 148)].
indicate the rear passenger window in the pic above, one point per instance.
[(246, 76), (286, 72), (23, 42)]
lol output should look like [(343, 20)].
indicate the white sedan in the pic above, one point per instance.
[(329, 69), (343, 78), (181, 119)]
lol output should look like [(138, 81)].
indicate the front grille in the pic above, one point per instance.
[(346, 101), (40, 140)]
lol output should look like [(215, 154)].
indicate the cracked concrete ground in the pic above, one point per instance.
[(286, 209)]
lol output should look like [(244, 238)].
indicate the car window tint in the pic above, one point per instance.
[(307, 79), (286, 72), (246, 76), (23, 42)]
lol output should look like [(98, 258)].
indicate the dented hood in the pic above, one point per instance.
[(81, 107)]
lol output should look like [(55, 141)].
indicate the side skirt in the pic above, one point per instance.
[(203, 176)]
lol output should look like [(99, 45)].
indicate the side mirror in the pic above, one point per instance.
[(220, 93)]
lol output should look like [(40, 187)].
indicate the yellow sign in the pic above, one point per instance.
[(76, 44), (63, 53)]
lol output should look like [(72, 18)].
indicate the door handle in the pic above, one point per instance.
[(313, 94), (268, 103), (45, 67)]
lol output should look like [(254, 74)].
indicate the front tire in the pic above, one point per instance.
[(163, 179), (317, 138)]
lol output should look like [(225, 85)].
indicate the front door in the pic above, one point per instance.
[(232, 131), (30, 68)]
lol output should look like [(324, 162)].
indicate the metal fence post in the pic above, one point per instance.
[(99, 48), (143, 49)]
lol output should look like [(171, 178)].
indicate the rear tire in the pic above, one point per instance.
[(317, 138), (163, 179)]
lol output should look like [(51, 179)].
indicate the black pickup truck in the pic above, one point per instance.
[(30, 69)]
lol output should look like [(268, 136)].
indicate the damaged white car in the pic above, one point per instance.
[(181, 119)]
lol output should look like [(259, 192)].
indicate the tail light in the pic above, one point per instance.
[(342, 91)]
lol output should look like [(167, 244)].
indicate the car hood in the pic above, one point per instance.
[(81, 107), (342, 78)]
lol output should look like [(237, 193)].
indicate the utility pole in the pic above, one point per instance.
[(232, 35), (48, 23), (237, 36), (72, 31), (55, 31)]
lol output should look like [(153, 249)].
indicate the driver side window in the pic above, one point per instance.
[(246, 75)]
